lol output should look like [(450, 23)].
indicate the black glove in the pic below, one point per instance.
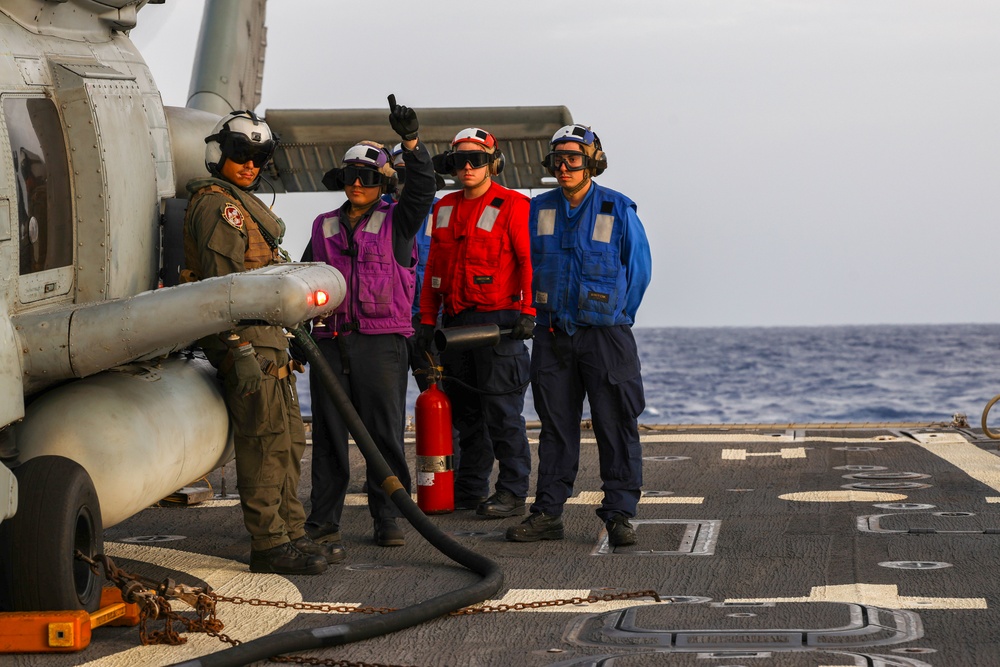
[(425, 338), (248, 373), (524, 327), (403, 120)]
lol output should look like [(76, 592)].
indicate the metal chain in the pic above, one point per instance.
[(541, 604), (152, 600), (469, 611), (300, 606), (301, 660)]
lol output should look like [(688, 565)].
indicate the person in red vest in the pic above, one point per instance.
[(479, 271)]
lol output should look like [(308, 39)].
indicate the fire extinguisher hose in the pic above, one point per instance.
[(372, 626)]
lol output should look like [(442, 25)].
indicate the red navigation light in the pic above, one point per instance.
[(321, 298)]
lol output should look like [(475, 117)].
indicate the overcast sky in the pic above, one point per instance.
[(795, 162)]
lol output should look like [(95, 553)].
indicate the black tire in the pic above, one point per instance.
[(57, 513)]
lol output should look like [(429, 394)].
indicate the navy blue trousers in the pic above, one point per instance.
[(490, 424), (603, 364), (376, 386)]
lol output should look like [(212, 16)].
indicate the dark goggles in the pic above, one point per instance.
[(475, 159), (369, 177), (241, 150), (572, 160)]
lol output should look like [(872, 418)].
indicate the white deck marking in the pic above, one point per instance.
[(596, 497), (218, 502), (784, 452), (878, 595), (842, 496), (956, 450)]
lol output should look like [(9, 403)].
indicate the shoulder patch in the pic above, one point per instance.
[(232, 215)]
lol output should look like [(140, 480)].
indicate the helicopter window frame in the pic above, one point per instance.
[(36, 145)]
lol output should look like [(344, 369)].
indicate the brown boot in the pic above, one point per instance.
[(332, 552)]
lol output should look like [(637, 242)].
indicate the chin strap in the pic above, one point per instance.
[(579, 186)]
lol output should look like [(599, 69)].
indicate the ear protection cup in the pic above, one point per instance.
[(496, 167), (599, 161)]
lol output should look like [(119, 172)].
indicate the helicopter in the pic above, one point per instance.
[(105, 409)]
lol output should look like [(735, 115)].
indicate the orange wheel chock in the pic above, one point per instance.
[(62, 631)]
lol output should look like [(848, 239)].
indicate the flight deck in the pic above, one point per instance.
[(819, 545)]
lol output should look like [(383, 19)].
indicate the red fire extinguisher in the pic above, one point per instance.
[(435, 471)]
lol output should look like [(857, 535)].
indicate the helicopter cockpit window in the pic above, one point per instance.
[(45, 228)]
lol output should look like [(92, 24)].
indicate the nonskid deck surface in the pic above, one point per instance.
[(779, 546)]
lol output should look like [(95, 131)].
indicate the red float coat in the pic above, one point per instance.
[(480, 255)]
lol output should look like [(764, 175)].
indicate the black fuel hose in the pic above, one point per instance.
[(372, 626)]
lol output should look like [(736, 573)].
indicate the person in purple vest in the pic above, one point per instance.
[(371, 242)]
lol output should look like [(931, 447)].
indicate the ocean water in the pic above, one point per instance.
[(809, 374)]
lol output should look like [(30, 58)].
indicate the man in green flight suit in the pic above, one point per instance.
[(228, 230)]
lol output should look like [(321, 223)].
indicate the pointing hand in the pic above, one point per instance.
[(403, 120)]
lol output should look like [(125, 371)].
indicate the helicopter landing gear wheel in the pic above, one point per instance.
[(58, 513)]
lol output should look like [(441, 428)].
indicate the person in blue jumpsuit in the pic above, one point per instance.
[(592, 264)]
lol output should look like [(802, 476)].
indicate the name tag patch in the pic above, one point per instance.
[(597, 296), (483, 280)]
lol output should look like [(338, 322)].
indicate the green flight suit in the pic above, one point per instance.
[(221, 237)]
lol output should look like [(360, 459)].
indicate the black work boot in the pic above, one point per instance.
[(538, 526), (323, 532), (332, 552), (286, 559), (620, 531), (388, 534), (464, 501), (501, 504)]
